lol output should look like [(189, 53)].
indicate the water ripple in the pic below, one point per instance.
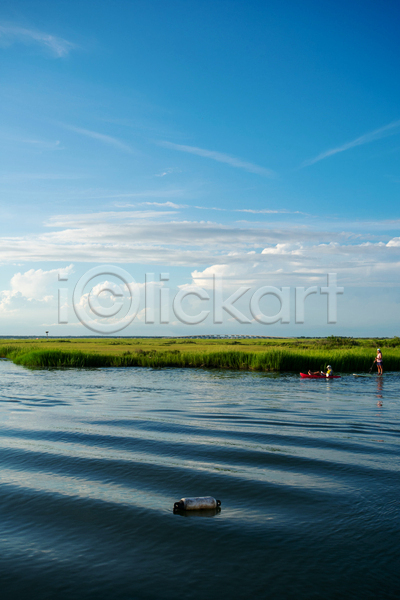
[(92, 461)]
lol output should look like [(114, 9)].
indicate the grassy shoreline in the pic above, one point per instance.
[(287, 355)]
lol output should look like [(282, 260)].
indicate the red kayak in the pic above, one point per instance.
[(307, 376)]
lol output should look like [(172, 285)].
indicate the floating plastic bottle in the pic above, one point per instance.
[(199, 503)]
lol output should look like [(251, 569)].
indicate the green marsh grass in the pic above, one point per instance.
[(268, 359)]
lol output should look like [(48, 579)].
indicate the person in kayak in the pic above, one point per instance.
[(379, 361), (329, 372)]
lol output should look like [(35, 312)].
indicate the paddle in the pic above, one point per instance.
[(372, 366)]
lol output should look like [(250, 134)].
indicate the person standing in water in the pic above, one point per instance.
[(379, 361)]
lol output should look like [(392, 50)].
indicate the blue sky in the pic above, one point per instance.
[(256, 140)]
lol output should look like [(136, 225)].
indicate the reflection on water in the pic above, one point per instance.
[(379, 393), (211, 512), (93, 461)]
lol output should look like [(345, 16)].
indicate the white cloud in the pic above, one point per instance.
[(246, 253), (90, 219), (166, 172), (34, 290), (101, 137), (167, 204), (377, 134), (35, 143), (56, 45), (16, 303), (176, 194), (267, 211), (221, 157), (43, 144), (264, 211), (151, 194), (143, 194), (35, 284), (285, 248), (105, 293), (211, 208)]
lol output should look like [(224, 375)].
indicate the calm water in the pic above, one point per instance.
[(92, 462)]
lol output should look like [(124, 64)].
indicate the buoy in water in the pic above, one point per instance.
[(199, 503)]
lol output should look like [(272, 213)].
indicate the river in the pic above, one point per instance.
[(92, 462)]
